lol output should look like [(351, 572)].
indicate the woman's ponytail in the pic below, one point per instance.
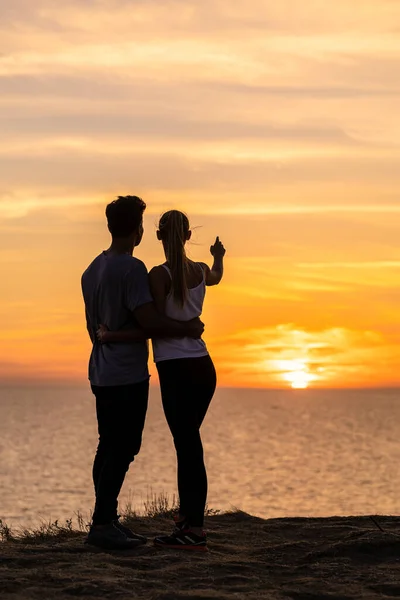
[(174, 228)]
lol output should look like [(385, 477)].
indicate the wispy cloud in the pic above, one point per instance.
[(377, 264), (286, 353)]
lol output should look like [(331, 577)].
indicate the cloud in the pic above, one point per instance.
[(376, 264), (271, 356), (107, 168), (320, 92), (156, 126), (209, 15), (204, 108), (120, 89)]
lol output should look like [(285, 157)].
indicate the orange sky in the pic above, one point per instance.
[(275, 127)]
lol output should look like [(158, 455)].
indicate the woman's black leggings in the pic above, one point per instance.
[(187, 387)]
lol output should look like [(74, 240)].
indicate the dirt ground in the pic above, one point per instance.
[(301, 559)]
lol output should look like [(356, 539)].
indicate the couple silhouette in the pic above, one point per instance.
[(125, 306)]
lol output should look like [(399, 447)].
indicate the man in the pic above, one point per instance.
[(116, 293)]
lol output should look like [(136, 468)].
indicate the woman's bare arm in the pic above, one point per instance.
[(160, 285), (214, 275)]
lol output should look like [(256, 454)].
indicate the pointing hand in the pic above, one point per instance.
[(217, 250)]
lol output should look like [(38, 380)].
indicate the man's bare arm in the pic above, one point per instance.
[(158, 325), (152, 325)]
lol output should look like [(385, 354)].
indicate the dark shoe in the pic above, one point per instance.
[(180, 524), (110, 537), (130, 534), (183, 540)]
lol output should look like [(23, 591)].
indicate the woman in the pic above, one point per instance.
[(186, 371)]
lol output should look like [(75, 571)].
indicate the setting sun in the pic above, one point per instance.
[(298, 379), (294, 371)]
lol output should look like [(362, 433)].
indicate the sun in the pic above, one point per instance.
[(296, 372), (299, 380)]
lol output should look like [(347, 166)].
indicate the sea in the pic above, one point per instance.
[(271, 453)]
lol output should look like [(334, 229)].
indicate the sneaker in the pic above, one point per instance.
[(180, 525), (183, 540), (129, 533), (110, 537)]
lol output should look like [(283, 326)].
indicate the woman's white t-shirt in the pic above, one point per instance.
[(172, 348)]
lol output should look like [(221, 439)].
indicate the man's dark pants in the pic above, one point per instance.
[(121, 413)]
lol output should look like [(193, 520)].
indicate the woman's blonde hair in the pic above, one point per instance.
[(174, 229)]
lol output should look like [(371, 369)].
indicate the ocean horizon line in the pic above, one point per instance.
[(65, 384)]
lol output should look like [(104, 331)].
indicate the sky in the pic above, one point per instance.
[(273, 125)]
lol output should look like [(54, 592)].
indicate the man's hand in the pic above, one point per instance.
[(101, 334), (195, 328)]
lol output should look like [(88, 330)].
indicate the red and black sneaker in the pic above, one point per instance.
[(180, 523), (183, 539)]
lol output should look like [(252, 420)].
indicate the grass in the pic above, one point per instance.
[(155, 506), (44, 531), (5, 532)]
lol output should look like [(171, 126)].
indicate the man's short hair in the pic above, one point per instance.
[(124, 215)]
